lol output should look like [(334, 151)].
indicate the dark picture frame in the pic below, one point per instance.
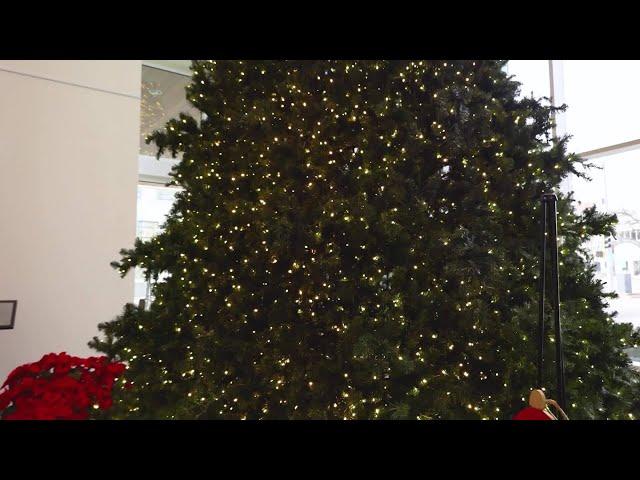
[(9, 326)]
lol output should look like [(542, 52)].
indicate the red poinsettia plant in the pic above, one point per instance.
[(59, 387)]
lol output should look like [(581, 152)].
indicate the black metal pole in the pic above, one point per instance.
[(552, 201), (543, 262)]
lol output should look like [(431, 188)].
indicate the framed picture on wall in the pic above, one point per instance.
[(7, 314)]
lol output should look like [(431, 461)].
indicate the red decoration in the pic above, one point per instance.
[(531, 413), (58, 387)]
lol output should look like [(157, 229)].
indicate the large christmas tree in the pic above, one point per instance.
[(360, 240)]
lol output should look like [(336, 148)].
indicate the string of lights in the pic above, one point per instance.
[(355, 240)]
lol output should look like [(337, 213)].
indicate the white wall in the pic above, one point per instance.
[(69, 135)]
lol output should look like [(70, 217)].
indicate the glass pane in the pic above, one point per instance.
[(154, 203), (603, 99), (614, 189), (163, 97), (533, 75)]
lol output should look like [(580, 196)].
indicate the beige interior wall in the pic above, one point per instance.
[(68, 175)]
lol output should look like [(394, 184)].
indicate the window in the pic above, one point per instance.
[(162, 98), (602, 97), (613, 189), (533, 75), (154, 203)]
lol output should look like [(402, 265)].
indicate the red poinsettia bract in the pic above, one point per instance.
[(58, 387)]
